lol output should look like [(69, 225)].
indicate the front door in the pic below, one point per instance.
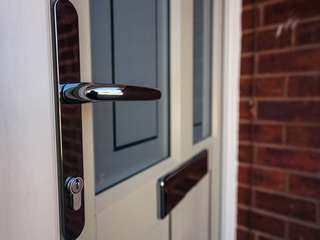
[(145, 164)]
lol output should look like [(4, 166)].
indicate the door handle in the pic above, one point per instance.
[(70, 93), (77, 93)]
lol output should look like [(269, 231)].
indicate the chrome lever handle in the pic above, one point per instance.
[(77, 93)]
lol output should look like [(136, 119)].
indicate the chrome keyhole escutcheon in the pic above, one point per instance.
[(74, 187)]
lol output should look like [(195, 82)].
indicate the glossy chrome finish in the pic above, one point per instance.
[(74, 186), (75, 93)]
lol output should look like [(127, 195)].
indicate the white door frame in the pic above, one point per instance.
[(228, 135)]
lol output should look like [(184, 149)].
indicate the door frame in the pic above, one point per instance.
[(231, 48)]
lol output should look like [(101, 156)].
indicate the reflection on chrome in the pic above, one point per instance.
[(110, 91)]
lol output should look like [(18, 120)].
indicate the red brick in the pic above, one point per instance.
[(245, 174), (264, 238), (308, 33), (265, 40), (278, 204), (244, 235), (249, 18), (247, 43), (267, 224), (305, 186), (304, 86), (269, 179), (294, 111), (263, 1), (247, 64), (267, 133), (269, 87), (244, 195), (245, 110), (256, 221), (259, 174), (245, 87), (281, 12), (290, 61), (245, 132), (247, 2), (289, 159), (299, 232), (268, 39), (245, 153), (243, 217), (305, 137)]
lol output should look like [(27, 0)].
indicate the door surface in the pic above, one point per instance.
[(128, 146)]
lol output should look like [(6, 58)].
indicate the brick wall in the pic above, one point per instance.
[(279, 151)]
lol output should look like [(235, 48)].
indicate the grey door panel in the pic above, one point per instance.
[(130, 46)]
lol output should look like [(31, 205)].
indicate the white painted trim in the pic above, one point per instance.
[(230, 116)]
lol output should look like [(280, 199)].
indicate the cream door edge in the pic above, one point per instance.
[(215, 178), (210, 185), (186, 27), (213, 143)]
